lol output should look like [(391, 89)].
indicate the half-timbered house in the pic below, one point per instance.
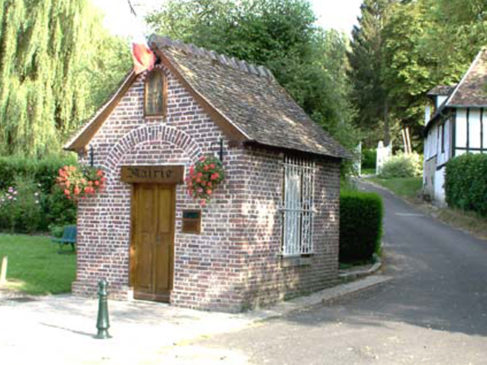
[(458, 125)]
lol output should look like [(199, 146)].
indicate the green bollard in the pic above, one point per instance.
[(102, 322)]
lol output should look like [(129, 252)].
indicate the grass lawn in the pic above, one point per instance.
[(407, 187), (35, 267), (368, 171)]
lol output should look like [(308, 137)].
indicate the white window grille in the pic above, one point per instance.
[(298, 206)]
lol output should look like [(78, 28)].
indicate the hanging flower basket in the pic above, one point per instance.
[(79, 183), (204, 176)]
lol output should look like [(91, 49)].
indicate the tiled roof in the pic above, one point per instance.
[(249, 98), (442, 90), (472, 89)]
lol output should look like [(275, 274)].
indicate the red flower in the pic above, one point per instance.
[(66, 192), (212, 166), (208, 191), (202, 158), (206, 168)]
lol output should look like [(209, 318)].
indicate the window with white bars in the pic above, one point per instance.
[(297, 207)]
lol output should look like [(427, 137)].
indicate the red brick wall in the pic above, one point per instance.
[(234, 263)]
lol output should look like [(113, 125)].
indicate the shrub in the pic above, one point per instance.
[(360, 225), (466, 183), (369, 158), (28, 176), (403, 165), (20, 206), (59, 210), (42, 171)]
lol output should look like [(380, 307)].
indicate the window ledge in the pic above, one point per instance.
[(290, 261)]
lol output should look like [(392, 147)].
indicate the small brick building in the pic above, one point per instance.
[(271, 230)]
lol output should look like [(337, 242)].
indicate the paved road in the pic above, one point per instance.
[(434, 311)]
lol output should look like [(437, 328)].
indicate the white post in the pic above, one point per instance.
[(380, 158), (357, 163), (383, 154), (3, 272)]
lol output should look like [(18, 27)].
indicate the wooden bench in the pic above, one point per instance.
[(68, 238)]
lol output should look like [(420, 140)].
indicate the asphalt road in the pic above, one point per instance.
[(434, 311)]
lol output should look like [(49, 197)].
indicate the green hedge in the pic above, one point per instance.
[(42, 171), (29, 200), (466, 183), (360, 225)]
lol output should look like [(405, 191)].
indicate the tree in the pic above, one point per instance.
[(47, 63), (280, 34), (367, 63)]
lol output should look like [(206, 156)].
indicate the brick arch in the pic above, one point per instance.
[(151, 133)]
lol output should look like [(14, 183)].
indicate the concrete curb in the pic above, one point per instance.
[(323, 296), (349, 275)]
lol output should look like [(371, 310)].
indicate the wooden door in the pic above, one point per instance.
[(152, 244)]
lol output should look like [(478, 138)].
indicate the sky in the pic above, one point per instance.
[(338, 14)]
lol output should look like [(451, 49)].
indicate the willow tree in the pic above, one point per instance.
[(49, 51)]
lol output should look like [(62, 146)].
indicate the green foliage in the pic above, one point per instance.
[(52, 72), (35, 266), (20, 206), (360, 225), (369, 158), (37, 203), (43, 171), (466, 183), (403, 165), (309, 62), (367, 62)]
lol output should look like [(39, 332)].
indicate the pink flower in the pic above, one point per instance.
[(202, 158), (202, 202)]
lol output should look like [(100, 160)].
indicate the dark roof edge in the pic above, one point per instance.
[(86, 132), (266, 146)]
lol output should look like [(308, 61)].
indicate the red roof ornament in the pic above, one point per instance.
[(144, 58)]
